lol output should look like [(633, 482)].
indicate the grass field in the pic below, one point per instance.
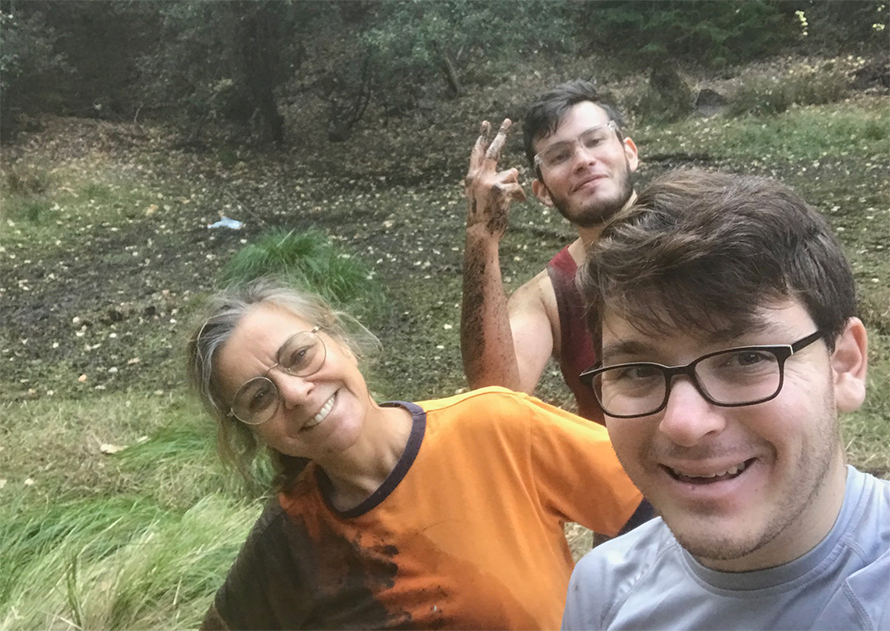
[(114, 511)]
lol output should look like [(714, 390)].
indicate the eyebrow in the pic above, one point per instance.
[(561, 143), (631, 348), (634, 349)]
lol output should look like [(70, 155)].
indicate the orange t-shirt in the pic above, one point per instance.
[(465, 533)]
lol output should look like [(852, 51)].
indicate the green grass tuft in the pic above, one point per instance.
[(853, 130), (26, 180), (36, 210), (97, 192), (774, 95), (179, 465), (308, 260), (116, 563)]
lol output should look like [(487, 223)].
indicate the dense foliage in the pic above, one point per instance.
[(703, 31), (261, 65), (29, 65)]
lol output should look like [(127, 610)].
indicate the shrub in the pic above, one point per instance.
[(666, 99), (308, 260), (774, 95), (766, 96), (710, 33), (29, 67), (22, 180)]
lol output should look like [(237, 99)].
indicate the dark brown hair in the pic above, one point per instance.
[(704, 251), (544, 115)]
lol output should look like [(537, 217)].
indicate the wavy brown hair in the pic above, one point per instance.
[(704, 251)]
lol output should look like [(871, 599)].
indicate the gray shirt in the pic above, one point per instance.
[(646, 580)]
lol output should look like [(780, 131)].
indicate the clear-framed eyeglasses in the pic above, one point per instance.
[(736, 377), (560, 154), (257, 400)]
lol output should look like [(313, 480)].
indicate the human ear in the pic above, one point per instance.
[(849, 364), (630, 151), (541, 192)]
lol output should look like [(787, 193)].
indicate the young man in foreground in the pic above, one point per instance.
[(729, 347)]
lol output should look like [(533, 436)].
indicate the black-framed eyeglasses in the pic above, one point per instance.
[(560, 154), (746, 375), (256, 401)]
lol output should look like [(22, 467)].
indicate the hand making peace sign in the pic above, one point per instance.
[(489, 191)]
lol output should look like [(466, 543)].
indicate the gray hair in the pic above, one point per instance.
[(223, 312)]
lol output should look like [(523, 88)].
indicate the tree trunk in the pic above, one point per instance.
[(450, 72), (260, 63)]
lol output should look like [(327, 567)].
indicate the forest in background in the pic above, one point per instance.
[(130, 127), (272, 70)]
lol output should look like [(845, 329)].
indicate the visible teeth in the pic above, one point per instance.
[(731, 471), (322, 414)]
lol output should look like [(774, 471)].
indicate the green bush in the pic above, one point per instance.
[(26, 180), (29, 67), (667, 97), (704, 32), (774, 95), (35, 210), (97, 192), (308, 260), (412, 43)]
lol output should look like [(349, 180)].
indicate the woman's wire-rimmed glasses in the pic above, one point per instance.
[(735, 377), (256, 401)]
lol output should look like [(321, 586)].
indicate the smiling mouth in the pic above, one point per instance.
[(595, 178), (709, 478), (322, 414)]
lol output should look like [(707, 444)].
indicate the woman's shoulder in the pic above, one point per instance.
[(490, 398), (493, 411), (497, 406)]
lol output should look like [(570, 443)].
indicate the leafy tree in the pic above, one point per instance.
[(226, 60), (102, 41), (414, 41), (835, 25), (701, 31), (29, 66)]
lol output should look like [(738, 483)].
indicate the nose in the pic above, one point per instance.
[(689, 418), (294, 391), (583, 157)]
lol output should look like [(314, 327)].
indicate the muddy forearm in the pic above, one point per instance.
[(486, 340)]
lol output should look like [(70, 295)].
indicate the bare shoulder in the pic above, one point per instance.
[(535, 300), (534, 294)]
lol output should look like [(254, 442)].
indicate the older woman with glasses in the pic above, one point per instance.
[(438, 514)]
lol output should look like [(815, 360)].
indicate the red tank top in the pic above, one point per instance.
[(576, 350)]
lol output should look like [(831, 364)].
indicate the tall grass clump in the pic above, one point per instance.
[(22, 179), (178, 465), (36, 210), (117, 563), (766, 96), (97, 191), (24, 189), (308, 260)]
